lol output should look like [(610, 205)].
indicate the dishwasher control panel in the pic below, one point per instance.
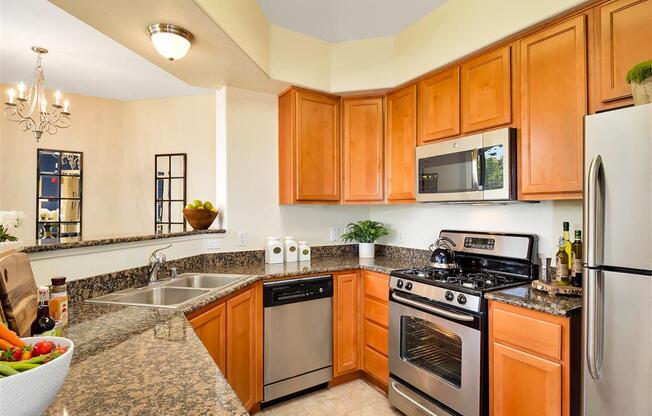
[(297, 290)]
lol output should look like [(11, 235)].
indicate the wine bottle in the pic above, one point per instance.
[(576, 260), (567, 244), (43, 323), (563, 275)]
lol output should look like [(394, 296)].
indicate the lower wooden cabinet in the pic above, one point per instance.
[(531, 362), (375, 327), (346, 322), (231, 331)]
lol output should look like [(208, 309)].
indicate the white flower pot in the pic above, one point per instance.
[(367, 250), (8, 245), (642, 93)]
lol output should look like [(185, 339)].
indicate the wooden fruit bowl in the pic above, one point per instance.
[(199, 219)]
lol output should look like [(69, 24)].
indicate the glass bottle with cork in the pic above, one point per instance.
[(563, 274), (59, 300)]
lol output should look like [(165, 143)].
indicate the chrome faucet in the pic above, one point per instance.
[(156, 261)]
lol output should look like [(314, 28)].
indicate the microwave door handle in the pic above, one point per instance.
[(474, 169)]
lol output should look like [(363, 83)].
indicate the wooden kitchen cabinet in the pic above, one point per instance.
[(210, 327), (623, 38), (401, 143), (439, 106), (486, 90), (362, 150), (533, 362), (375, 327), (347, 329), (232, 332), (309, 147), (553, 83)]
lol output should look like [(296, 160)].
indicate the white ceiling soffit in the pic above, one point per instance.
[(344, 20), (213, 61), (81, 60)]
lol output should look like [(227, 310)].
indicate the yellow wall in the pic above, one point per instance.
[(119, 140), (456, 29)]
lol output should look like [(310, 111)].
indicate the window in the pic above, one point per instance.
[(169, 192), (58, 196)]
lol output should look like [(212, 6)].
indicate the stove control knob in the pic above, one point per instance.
[(449, 296), (408, 286), (461, 299), (399, 284)]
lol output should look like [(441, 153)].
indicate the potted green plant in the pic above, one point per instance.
[(640, 78), (365, 233)]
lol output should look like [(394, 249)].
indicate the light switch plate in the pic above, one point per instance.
[(335, 234)]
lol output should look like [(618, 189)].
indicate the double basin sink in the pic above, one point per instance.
[(171, 293)]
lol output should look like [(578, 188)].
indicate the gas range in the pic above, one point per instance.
[(486, 261)]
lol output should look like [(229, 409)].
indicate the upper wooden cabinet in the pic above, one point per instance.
[(363, 149), (309, 147), (439, 106), (347, 321), (623, 30), (486, 91), (401, 142), (553, 82)]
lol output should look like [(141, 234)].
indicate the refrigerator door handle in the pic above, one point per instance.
[(592, 218), (594, 321)]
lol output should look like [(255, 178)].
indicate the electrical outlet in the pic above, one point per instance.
[(335, 234), (242, 238)]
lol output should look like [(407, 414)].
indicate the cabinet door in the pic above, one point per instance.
[(210, 327), (346, 334), (524, 384), (623, 39), (439, 106), (317, 148), (400, 154), (241, 338), (486, 91), (553, 104), (363, 149)]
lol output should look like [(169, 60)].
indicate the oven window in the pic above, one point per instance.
[(492, 159), (446, 173), (432, 348)]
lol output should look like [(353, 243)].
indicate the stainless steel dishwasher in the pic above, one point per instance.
[(298, 335)]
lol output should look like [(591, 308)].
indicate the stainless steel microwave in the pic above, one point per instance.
[(478, 167)]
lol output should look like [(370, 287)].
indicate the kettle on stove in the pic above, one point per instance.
[(443, 256)]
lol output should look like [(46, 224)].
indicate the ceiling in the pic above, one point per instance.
[(81, 59), (345, 20)]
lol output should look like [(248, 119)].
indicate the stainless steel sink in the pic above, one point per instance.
[(203, 281)]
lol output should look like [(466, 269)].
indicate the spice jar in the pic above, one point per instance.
[(59, 300)]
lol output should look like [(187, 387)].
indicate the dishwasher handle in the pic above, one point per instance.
[(297, 290)]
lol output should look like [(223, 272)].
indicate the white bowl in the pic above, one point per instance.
[(31, 392)]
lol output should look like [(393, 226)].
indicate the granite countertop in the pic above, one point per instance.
[(148, 361), (39, 246), (527, 297)]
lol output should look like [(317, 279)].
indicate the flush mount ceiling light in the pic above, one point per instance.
[(171, 41)]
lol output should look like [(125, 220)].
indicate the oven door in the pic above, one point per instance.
[(449, 170), (438, 355)]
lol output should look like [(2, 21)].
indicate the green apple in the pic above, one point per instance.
[(190, 206), (197, 204), (209, 205)]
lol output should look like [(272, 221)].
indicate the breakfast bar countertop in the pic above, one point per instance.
[(140, 361)]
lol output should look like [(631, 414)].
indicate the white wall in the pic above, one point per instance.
[(417, 226), (251, 197)]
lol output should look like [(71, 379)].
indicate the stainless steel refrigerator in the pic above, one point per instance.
[(617, 312)]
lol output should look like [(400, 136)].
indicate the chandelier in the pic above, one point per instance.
[(31, 111)]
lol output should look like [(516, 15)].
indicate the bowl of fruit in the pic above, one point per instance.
[(200, 215), (32, 371)]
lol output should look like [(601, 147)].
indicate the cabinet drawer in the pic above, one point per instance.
[(376, 311), (376, 285), (376, 365), (375, 337), (527, 332)]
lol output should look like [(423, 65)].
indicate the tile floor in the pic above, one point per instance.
[(355, 398)]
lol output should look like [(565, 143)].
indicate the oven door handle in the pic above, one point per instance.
[(411, 400), (434, 309)]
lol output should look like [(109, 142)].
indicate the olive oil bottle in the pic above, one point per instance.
[(576, 260), (567, 244), (563, 274)]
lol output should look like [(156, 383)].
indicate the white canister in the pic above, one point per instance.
[(304, 251), (273, 250), (291, 253)]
